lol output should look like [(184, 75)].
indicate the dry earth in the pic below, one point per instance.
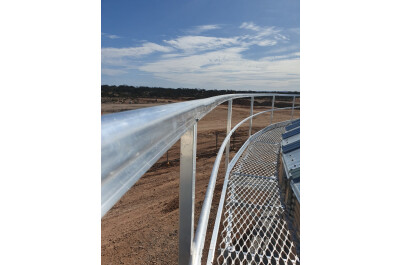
[(142, 228)]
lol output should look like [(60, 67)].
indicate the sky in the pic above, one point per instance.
[(208, 44)]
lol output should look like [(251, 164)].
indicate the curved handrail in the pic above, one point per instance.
[(132, 141), (198, 243), (211, 250)]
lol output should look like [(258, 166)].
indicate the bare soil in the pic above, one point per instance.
[(142, 228)]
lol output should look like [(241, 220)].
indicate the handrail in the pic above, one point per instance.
[(213, 242), (200, 236), (132, 141)]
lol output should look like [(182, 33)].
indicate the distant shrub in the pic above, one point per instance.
[(132, 92)]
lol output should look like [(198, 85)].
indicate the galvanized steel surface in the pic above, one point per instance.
[(251, 114), (291, 139), (272, 107), (291, 156), (187, 193), (211, 252), (290, 133), (291, 115), (132, 141), (213, 242), (198, 243), (291, 160), (293, 125), (255, 230), (228, 129), (295, 185), (290, 147)]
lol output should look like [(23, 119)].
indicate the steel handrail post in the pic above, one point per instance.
[(272, 109), (228, 129), (187, 193), (251, 114), (291, 117)]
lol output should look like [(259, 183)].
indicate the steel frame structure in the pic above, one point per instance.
[(132, 141)]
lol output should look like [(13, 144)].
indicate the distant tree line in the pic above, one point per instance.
[(183, 93)]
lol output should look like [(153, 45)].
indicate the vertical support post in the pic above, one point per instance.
[(187, 193), (233, 141), (272, 112), (216, 141), (251, 114), (228, 129), (291, 117)]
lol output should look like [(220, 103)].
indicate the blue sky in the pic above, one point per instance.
[(211, 44)]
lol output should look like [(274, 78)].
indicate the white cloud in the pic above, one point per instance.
[(214, 62), (110, 36), (191, 44), (202, 28), (228, 69), (114, 36), (268, 31), (280, 37), (263, 36), (266, 43), (192, 62), (249, 25), (112, 72), (145, 49), (281, 57), (123, 56), (172, 55), (284, 49)]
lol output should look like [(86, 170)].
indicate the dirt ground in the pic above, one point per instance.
[(142, 228)]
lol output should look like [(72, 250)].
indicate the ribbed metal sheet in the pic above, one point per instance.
[(292, 160), (254, 226), (291, 139), (293, 125), (295, 184), (295, 173), (291, 156), (290, 147), (291, 133)]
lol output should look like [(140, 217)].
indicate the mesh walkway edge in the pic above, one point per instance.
[(254, 229)]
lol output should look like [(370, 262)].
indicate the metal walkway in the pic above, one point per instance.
[(254, 229)]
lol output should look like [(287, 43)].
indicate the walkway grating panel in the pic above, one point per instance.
[(254, 228)]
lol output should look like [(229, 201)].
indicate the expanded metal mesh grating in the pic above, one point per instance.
[(254, 228)]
